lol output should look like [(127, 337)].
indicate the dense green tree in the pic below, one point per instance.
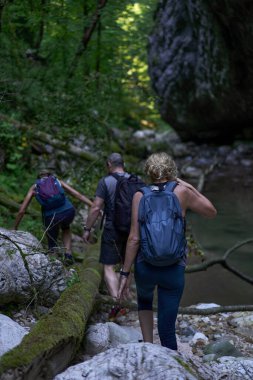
[(72, 67)]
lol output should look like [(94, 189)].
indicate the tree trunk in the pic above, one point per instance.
[(14, 206)]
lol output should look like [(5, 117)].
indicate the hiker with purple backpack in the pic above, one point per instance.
[(57, 210)]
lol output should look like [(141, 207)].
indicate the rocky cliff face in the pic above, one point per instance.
[(200, 63)]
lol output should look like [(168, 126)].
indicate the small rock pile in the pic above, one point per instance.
[(217, 346)]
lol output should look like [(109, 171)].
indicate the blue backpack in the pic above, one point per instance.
[(162, 227), (49, 193)]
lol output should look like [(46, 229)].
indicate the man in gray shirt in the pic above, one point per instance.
[(113, 243)]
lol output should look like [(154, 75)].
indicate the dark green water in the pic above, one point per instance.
[(234, 223)]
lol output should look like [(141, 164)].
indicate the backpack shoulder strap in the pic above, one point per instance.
[(145, 190), (115, 175), (170, 186)]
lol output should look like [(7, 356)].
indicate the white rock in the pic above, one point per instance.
[(143, 134), (203, 306), (11, 334), (245, 320), (235, 368), (131, 361), (199, 337)]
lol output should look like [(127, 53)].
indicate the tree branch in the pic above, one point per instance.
[(87, 33), (12, 205), (223, 261), (132, 305)]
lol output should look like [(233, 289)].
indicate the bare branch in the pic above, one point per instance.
[(132, 305), (87, 33)]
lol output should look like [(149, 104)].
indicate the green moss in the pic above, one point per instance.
[(186, 366)]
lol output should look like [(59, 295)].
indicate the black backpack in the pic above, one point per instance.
[(126, 187)]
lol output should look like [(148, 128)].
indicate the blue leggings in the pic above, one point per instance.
[(170, 285)]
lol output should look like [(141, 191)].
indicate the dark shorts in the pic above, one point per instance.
[(113, 247), (54, 223)]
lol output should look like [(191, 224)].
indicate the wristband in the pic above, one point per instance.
[(87, 229), (125, 274)]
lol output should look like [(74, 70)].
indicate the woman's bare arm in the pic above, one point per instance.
[(132, 245), (191, 199), (24, 206), (76, 193)]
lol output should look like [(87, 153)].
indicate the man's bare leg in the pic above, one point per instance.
[(111, 279), (146, 323)]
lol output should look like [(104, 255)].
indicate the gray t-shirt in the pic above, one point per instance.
[(106, 190)]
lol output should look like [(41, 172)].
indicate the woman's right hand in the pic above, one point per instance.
[(124, 288)]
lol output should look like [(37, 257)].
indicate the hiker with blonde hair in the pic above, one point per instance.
[(157, 245)]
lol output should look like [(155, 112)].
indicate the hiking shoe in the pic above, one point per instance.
[(116, 311), (68, 259)]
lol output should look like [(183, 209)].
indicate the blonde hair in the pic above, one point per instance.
[(160, 166)]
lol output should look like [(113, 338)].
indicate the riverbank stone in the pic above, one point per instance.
[(221, 348), (11, 334)]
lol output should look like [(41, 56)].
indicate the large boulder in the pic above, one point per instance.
[(200, 63), (26, 273), (131, 361)]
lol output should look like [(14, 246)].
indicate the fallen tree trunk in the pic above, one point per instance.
[(55, 339), (14, 206), (188, 310), (48, 139)]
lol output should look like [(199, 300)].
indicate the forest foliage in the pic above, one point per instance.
[(76, 67), (71, 69)]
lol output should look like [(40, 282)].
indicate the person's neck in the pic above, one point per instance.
[(164, 180), (117, 170)]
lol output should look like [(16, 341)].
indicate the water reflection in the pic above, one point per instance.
[(234, 223)]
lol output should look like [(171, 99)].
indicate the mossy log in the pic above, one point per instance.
[(14, 206), (49, 139), (55, 339)]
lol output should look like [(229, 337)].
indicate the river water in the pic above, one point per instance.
[(233, 198)]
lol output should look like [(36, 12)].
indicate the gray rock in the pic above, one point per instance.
[(242, 320), (123, 334), (197, 73), (26, 271), (97, 338), (180, 150), (144, 134), (235, 368), (192, 172), (130, 362), (102, 336), (222, 348), (11, 334), (209, 358)]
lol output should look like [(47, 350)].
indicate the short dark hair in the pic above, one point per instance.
[(115, 160), (44, 172)]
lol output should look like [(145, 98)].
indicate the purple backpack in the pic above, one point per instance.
[(49, 192)]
